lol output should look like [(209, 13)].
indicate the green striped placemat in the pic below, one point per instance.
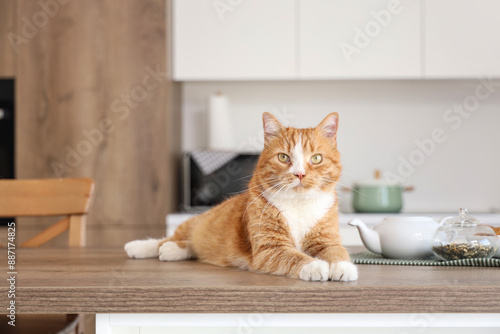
[(371, 258)]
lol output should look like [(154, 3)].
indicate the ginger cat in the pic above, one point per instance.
[(286, 223)]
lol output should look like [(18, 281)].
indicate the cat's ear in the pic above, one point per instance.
[(329, 126), (272, 127)]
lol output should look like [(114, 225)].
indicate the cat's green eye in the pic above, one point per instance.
[(283, 157), (316, 159)]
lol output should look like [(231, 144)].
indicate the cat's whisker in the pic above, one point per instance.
[(325, 178), (259, 196), (256, 198), (270, 180), (328, 182), (269, 202), (347, 173), (345, 185), (244, 177), (262, 195), (251, 175), (287, 190), (317, 188), (356, 191), (330, 186)]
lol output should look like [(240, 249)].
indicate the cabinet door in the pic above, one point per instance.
[(462, 38), (359, 39), (234, 39)]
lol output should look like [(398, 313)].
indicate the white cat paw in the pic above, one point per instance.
[(343, 271), (169, 251), (316, 270), (141, 249)]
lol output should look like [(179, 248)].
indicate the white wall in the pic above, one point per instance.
[(379, 124)]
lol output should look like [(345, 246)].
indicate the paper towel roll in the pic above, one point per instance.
[(220, 131)]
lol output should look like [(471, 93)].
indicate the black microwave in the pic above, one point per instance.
[(6, 140), (210, 177), (6, 129)]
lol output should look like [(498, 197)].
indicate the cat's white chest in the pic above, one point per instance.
[(302, 211)]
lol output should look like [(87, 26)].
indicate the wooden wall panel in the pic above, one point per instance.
[(7, 26), (95, 100), (174, 101)]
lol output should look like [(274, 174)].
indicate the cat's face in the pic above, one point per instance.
[(299, 160)]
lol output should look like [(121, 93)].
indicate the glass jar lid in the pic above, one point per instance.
[(462, 220)]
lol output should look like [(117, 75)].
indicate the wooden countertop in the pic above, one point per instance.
[(106, 281)]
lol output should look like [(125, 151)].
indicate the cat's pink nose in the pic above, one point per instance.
[(300, 176)]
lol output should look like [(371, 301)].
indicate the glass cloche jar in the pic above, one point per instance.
[(464, 237)]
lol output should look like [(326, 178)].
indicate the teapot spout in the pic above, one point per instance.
[(369, 237)]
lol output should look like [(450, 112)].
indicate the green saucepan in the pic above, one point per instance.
[(378, 196)]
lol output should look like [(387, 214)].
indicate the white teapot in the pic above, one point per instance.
[(399, 237)]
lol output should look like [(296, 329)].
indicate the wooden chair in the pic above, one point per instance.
[(49, 197)]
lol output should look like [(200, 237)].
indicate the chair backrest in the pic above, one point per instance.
[(49, 197)]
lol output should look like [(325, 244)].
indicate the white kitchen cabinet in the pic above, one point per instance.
[(462, 38), (234, 40), (297, 323), (335, 39), (359, 39)]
